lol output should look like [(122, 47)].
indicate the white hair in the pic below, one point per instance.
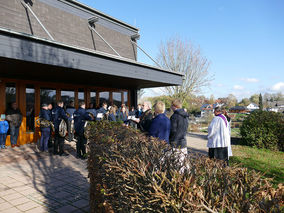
[(148, 103)]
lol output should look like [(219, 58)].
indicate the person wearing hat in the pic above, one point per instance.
[(45, 129)]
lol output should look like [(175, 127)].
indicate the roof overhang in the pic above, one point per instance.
[(41, 58)]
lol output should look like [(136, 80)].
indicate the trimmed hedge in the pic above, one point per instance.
[(264, 129), (130, 172)]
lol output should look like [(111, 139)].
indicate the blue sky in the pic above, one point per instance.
[(243, 39)]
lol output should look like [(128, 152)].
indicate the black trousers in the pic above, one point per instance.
[(220, 153), (81, 145), (58, 143)]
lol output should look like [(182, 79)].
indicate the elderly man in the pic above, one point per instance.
[(218, 136), (146, 117)]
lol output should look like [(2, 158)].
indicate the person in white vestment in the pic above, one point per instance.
[(219, 136)]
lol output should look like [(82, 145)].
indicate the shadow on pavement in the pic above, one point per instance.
[(51, 182)]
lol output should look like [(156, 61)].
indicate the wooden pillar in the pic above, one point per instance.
[(87, 97), (58, 94), (98, 99), (37, 110), (76, 98), (21, 102)]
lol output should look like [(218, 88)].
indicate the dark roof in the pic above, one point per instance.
[(238, 108)]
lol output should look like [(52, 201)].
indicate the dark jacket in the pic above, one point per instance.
[(45, 114), (80, 117), (57, 115), (145, 121), (132, 113), (111, 117), (179, 126), (70, 110), (92, 111), (138, 113), (122, 116), (160, 127), (14, 117), (101, 110)]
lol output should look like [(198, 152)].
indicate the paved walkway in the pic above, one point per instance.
[(197, 142), (32, 181)]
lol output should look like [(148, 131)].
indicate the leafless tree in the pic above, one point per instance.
[(182, 56)]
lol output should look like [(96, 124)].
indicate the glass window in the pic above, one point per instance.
[(48, 96), (30, 108), (104, 97), (93, 96), (10, 94), (67, 96), (125, 96), (81, 95), (116, 96)]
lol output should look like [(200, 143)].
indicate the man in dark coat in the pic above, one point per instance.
[(101, 112), (57, 115), (146, 117), (80, 118), (45, 129), (179, 126), (14, 117)]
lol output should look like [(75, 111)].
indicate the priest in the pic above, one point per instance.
[(219, 137)]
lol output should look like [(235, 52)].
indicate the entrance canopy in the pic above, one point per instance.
[(29, 57)]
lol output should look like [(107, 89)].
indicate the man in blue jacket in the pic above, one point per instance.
[(80, 118), (45, 127), (58, 114)]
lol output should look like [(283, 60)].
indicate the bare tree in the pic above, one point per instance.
[(184, 57)]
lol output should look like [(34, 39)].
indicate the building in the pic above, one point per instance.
[(252, 107), (239, 109), (209, 108), (63, 49)]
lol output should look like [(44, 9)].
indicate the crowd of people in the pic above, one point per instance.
[(68, 123)]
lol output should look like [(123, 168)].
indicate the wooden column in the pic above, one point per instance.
[(76, 98), (21, 102)]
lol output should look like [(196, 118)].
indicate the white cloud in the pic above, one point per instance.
[(278, 86), (250, 80), (238, 87)]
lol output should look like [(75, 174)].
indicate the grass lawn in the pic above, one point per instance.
[(271, 163)]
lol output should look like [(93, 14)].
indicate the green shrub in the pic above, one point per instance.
[(264, 129), (130, 172)]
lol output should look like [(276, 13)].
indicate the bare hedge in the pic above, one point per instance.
[(131, 173)]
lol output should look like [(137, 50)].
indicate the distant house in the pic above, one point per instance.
[(275, 106), (239, 109), (209, 108), (252, 107)]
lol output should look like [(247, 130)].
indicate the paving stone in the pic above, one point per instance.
[(11, 210), (81, 203), (7, 192), (12, 196), (23, 188), (19, 201), (64, 209), (27, 206), (5, 206), (29, 192), (39, 209)]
